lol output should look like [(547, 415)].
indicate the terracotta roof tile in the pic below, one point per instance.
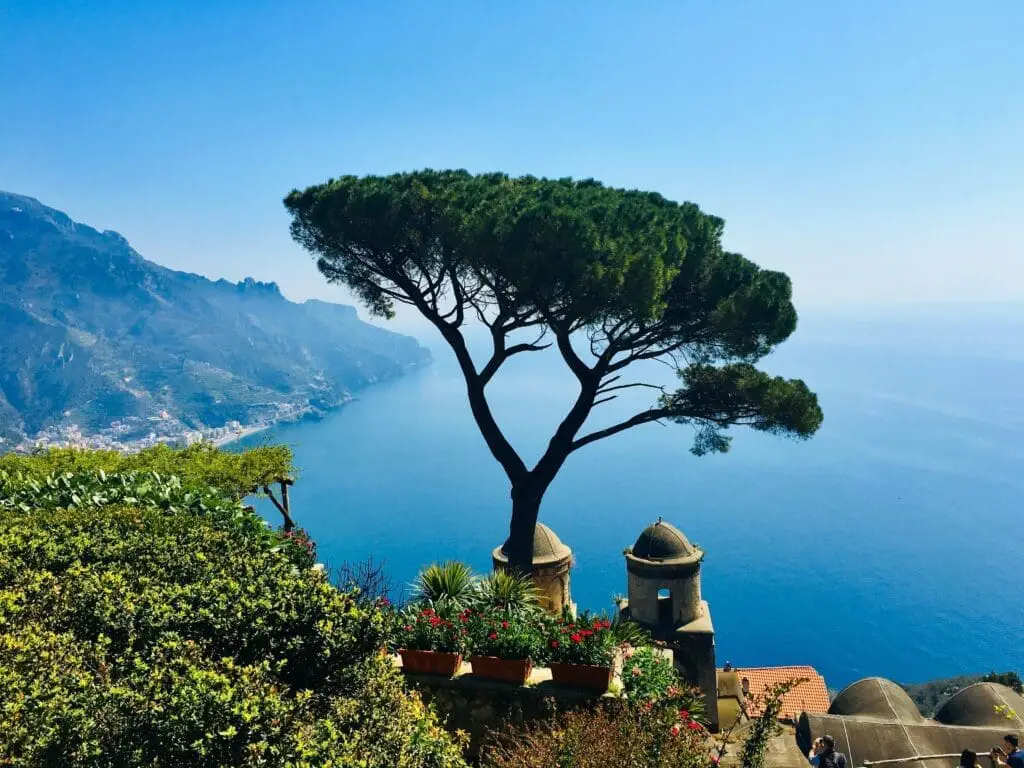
[(810, 697)]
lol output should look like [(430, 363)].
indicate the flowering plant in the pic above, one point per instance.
[(300, 546), (650, 678), (602, 737), (584, 640), (424, 629), (505, 634)]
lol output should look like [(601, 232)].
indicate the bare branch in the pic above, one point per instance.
[(654, 414), (497, 360), (605, 389)]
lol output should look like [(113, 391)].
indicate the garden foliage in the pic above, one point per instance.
[(650, 677), (608, 736), (179, 630), (201, 465)]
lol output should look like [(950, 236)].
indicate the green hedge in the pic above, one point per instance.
[(200, 465), (144, 636)]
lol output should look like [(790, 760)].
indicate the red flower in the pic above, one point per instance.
[(408, 627), (428, 612), (576, 639), (586, 632), (554, 643), (385, 601), (693, 725), (504, 625), (675, 730), (684, 714), (493, 635)]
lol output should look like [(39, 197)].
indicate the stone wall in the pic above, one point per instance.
[(477, 705)]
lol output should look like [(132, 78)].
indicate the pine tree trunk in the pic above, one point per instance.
[(525, 508)]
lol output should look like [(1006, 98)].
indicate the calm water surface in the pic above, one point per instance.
[(888, 545)]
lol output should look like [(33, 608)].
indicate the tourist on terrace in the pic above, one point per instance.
[(968, 759), (1010, 754), (828, 757), (816, 749)]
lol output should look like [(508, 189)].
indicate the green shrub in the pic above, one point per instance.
[(650, 677), (147, 637), (97, 490), (237, 474)]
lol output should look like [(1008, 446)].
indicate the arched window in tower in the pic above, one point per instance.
[(665, 609)]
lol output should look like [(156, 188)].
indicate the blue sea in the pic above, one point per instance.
[(890, 544)]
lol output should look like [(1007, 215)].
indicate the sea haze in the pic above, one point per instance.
[(887, 545)]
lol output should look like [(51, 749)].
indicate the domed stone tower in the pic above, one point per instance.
[(552, 561), (663, 569), (663, 572)]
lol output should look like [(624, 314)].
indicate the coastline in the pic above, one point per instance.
[(244, 432)]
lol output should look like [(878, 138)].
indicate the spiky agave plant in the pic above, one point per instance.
[(446, 585), (626, 631), (512, 592)]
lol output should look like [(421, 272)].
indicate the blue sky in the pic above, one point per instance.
[(872, 150)]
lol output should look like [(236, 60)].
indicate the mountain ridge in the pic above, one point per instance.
[(97, 336)]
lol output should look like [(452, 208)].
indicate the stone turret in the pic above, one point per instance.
[(552, 561), (663, 571)]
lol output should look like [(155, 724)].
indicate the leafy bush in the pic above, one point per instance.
[(609, 736), (97, 490), (140, 636), (237, 474), (585, 640), (649, 676)]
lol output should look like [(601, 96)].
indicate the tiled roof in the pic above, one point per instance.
[(810, 697)]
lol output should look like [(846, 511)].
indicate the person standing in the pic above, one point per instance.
[(814, 756), (829, 758), (1010, 754)]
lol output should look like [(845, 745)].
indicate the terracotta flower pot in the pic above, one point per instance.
[(587, 676), (508, 670), (430, 662)]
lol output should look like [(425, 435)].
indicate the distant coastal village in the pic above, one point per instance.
[(136, 433)]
